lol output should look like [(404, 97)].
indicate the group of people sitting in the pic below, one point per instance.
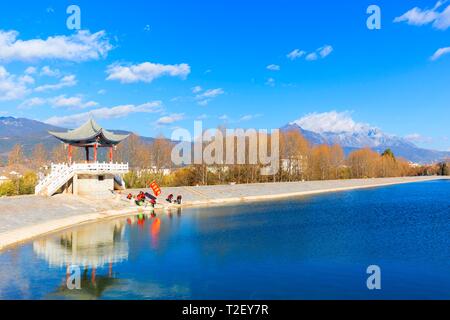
[(177, 201), (142, 197)]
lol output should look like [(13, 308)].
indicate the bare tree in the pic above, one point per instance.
[(16, 155), (40, 155), (59, 154)]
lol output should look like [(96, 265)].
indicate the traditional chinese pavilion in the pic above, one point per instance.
[(89, 177)]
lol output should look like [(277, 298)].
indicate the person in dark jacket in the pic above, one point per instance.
[(169, 198)]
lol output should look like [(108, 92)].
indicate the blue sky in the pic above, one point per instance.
[(152, 66)]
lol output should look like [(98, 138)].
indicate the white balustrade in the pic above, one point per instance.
[(61, 173)]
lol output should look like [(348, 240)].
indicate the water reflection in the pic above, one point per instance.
[(92, 287), (96, 249), (92, 246)]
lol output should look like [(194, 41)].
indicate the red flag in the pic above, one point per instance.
[(156, 189)]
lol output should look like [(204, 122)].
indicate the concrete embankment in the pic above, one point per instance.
[(25, 218)]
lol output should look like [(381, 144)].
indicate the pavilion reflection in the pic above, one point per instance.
[(90, 247), (96, 248), (91, 287)]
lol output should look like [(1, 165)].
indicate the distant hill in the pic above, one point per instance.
[(373, 138), (28, 133)]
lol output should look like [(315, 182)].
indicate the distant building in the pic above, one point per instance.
[(15, 173), (414, 165), (293, 165), (3, 179), (12, 172), (155, 170)]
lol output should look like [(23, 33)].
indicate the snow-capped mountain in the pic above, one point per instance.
[(373, 138)]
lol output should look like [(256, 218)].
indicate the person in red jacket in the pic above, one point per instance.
[(140, 199)]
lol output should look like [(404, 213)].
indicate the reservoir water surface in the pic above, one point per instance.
[(316, 247)]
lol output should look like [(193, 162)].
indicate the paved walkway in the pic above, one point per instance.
[(23, 218), (262, 191), (19, 212)]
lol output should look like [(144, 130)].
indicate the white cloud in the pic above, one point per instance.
[(203, 103), (270, 82), (418, 138), (211, 93), (325, 51), (101, 91), (170, 119), (67, 81), (32, 102), (146, 72), (205, 97), (321, 52), (443, 20), (106, 113), (13, 87), (81, 46), (26, 79), (196, 89), (295, 54), (312, 56), (273, 67), (224, 117), (63, 101), (30, 70), (439, 53), (249, 117), (49, 72), (419, 17), (333, 121)]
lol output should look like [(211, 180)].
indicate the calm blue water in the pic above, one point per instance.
[(308, 248)]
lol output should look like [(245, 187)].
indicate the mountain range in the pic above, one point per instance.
[(373, 138), (29, 132)]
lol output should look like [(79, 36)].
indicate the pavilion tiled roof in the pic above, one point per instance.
[(89, 134)]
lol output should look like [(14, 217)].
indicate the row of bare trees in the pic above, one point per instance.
[(325, 162), (299, 160), (40, 156)]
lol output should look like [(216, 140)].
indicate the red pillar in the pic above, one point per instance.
[(67, 272), (111, 154), (93, 275), (95, 152), (70, 154)]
